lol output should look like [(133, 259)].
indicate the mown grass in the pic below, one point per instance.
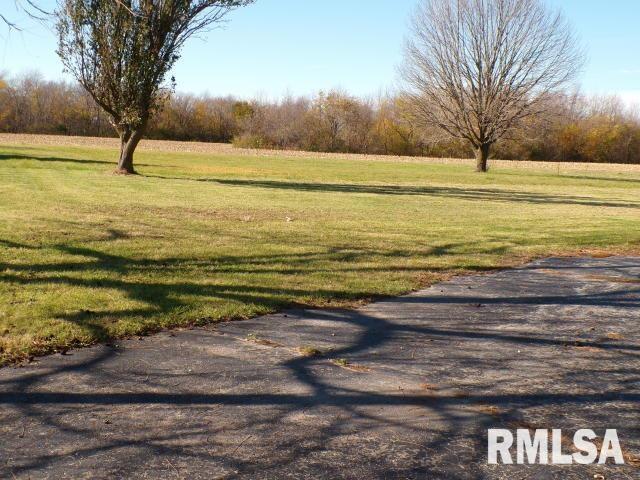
[(86, 256)]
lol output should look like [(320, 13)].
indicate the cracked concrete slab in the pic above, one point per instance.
[(402, 388)]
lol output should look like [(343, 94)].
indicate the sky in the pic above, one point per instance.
[(298, 47)]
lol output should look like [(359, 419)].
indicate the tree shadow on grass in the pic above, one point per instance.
[(39, 158), (635, 181), (167, 303), (199, 422), (51, 159), (462, 193), (141, 280)]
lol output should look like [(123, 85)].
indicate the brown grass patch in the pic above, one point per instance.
[(428, 386), (490, 410), (584, 348), (615, 336), (343, 363), (263, 341), (307, 351)]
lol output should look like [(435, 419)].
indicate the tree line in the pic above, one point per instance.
[(477, 74), (575, 128)]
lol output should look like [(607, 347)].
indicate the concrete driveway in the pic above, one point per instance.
[(403, 388)]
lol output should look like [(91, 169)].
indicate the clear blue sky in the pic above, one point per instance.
[(301, 46)]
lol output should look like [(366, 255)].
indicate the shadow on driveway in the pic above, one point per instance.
[(402, 388)]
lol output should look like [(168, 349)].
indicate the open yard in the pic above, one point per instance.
[(200, 237)]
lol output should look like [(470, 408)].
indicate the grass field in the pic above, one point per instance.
[(200, 237)]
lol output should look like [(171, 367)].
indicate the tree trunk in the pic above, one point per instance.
[(482, 157), (129, 140)]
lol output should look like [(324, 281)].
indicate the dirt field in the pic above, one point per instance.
[(228, 149)]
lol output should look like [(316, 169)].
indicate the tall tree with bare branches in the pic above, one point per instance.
[(476, 68), (28, 7), (121, 52)]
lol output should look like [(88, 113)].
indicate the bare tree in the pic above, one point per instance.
[(122, 50), (476, 68), (29, 7)]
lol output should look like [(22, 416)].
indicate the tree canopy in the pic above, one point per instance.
[(121, 52)]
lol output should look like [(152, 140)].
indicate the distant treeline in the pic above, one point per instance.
[(574, 128)]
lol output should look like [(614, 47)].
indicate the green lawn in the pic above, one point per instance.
[(85, 255)]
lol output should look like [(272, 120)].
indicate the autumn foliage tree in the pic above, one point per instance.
[(575, 127), (121, 52)]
